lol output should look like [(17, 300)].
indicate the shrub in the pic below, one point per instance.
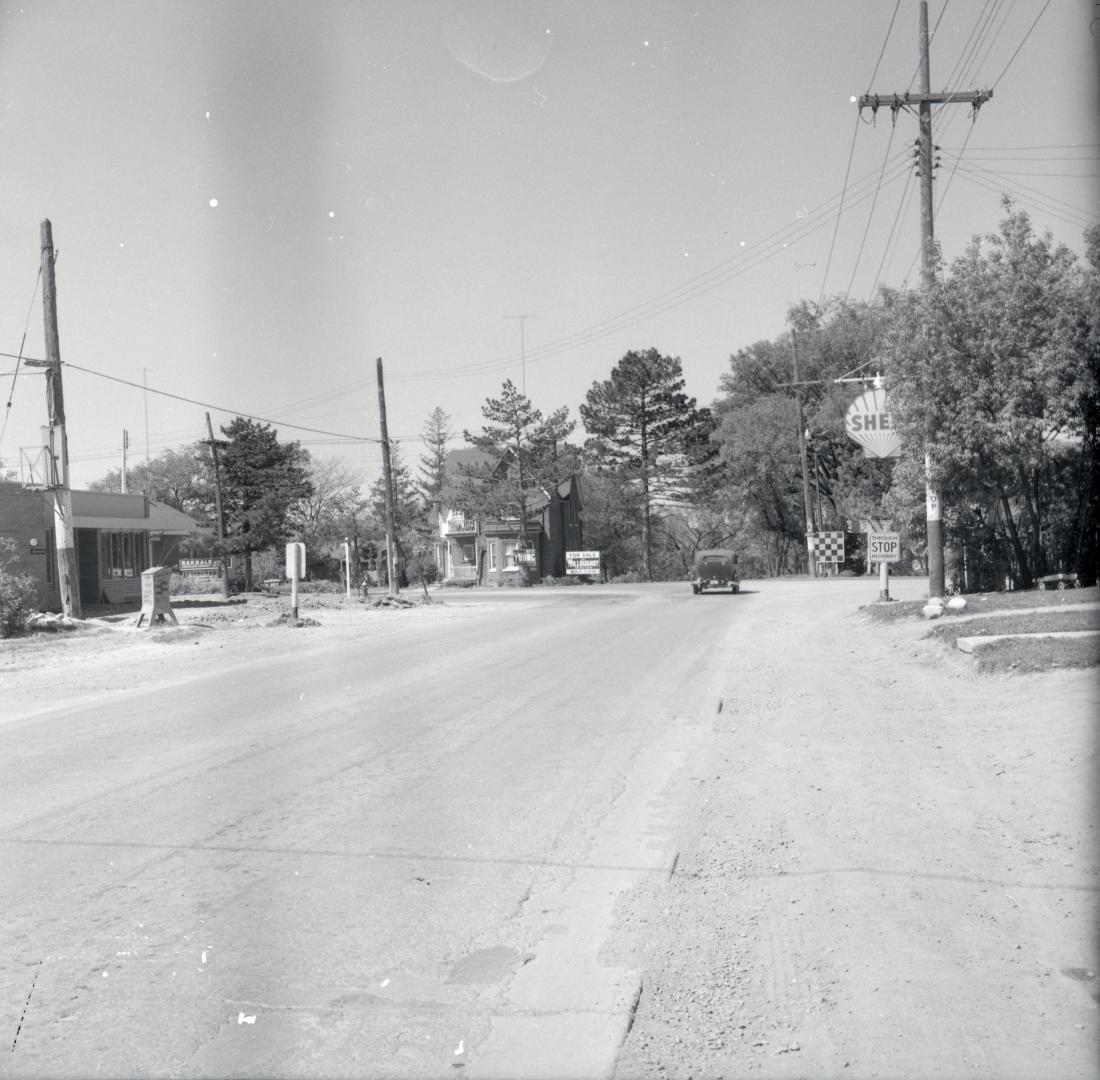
[(632, 577), (18, 592)]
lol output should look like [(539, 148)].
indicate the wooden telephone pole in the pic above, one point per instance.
[(223, 556), (67, 574), (811, 525), (387, 476), (924, 100)]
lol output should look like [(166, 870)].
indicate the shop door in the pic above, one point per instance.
[(87, 563)]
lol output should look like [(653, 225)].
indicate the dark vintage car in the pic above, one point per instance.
[(715, 568)]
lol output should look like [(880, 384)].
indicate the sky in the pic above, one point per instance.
[(253, 201)]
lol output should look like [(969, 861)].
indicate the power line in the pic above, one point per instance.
[(19, 357), (1022, 43), (840, 209), (717, 275), (220, 408), (871, 212), (903, 202), (882, 51)]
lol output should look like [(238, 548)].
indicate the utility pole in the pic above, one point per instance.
[(67, 575), (807, 505), (924, 100), (387, 475), (522, 351), (125, 447), (223, 555)]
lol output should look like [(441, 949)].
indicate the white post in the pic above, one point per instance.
[(295, 564), (347, 568)]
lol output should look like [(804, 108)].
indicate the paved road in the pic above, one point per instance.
[(387, 856)]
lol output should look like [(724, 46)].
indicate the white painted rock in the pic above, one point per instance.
[(933, 609), (957, 603)]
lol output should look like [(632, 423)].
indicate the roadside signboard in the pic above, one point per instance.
[(828, 546), (199, 566), (586, 563), (868, 422), (296, 561), (883, 547)]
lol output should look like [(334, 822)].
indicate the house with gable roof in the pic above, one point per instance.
[(116, 538), (478, 550)]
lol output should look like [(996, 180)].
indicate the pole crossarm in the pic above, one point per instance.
[(874, 102)]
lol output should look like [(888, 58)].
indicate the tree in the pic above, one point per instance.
[(524, 453), (641, 427), (991, 375), (411, 522), (265, 483), (435, 435), (334, 510), (182, 478), (759, 427)]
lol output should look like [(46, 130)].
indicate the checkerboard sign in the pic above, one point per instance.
[(829, 547)]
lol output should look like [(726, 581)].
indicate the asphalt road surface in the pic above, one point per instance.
[(407, 853)]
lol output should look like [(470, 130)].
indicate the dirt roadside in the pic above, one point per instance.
[(108, 655), (888, 866)]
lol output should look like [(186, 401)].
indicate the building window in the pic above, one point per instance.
[(122, 555), (493, 554)]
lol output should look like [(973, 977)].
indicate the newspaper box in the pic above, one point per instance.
[(155, 605)]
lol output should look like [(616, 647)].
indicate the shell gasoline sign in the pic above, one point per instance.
[(868, 422)]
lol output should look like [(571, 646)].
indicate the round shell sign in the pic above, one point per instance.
[(868, 422)]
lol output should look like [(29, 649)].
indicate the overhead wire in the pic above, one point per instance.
[(1023, 42), (19, 356), (716, 276), (220, 408), (903, 205), (840, 210), (871, 212)]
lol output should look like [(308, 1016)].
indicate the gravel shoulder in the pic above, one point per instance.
[(888, 866)]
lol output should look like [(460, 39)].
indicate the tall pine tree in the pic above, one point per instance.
[(264, 481), (644, 430), (435, 435), (525, 453)]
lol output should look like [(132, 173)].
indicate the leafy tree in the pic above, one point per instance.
[(182, 478), (411, 521), (18, 591), (525, 452), (642, 428), (838, 339), (612, 517), (264, 484), (433, 462), (334, 509), (991, 374)]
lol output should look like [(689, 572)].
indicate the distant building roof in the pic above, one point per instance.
[(111, 510)]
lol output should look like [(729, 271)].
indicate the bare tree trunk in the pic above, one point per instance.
[(1014, 538)]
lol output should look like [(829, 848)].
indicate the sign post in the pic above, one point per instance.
[(883, 548), (347, 569), (295, 569)]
